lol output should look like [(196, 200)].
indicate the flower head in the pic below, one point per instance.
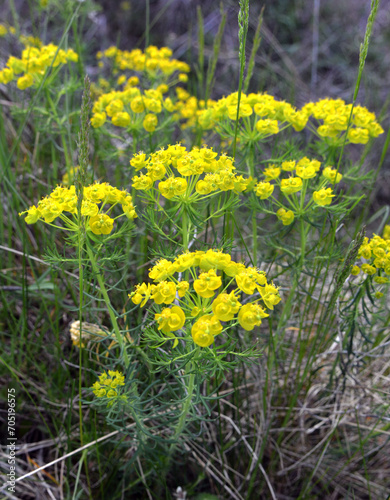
[(107, 386), (323, 196), (204, 330)]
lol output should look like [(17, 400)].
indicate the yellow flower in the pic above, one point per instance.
[(365, 251), (95, 192), (288, 166), (332, 174), (49, 209), (121, 80), (207, 283), (374, 129), (381, 280), (174, 186), (249, 278), (286, 216), (203, 188), (141, 294), (33, 215), (142, 182), (214, 259), (98, 119), (133, 81), (182, 288), (368, 269), (6, 75), (270, 295), (115, 106), (244, 110), (129, 210), (291, 185), (101, 224), (107, 385), (162, 270), (183, 78), (25, 81), (271, 172), (188, 166), (323, 197), (156, 171), (267, 127), (184, 262), (150, 122), (225, 306), (355, 270), (138, 161), (306, 171), (168, 105), (264, 190), (137, 105), (358, 135), (164, 292), (250, 315), (121, 119), (204, 330), (153, 105), (170, 319), (89, 209)]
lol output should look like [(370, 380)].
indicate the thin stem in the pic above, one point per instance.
[(251, 158), (103, 289), (304, 229), (189, 388), (184, 229)]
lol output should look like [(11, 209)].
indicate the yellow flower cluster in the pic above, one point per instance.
[(188, 175), (334, 114), (270, 114), (33, 64), (108, 384), (64, 200), (132, 108), (189, 107), (30, 41), (376, 254), (4, 30), (156, 63), (298, 182), (197, 301)]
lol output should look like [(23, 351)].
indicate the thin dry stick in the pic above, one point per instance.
[(318, 445), (17, 252), (74, 452), (207, 466), (143, 479), (254, 456)]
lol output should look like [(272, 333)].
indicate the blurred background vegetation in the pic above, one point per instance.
[(309, 49)]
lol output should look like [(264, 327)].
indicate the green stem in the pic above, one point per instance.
[(288, 304), (185, 408), (251, 158), (111, 312), (184, 229), (81, 302)]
